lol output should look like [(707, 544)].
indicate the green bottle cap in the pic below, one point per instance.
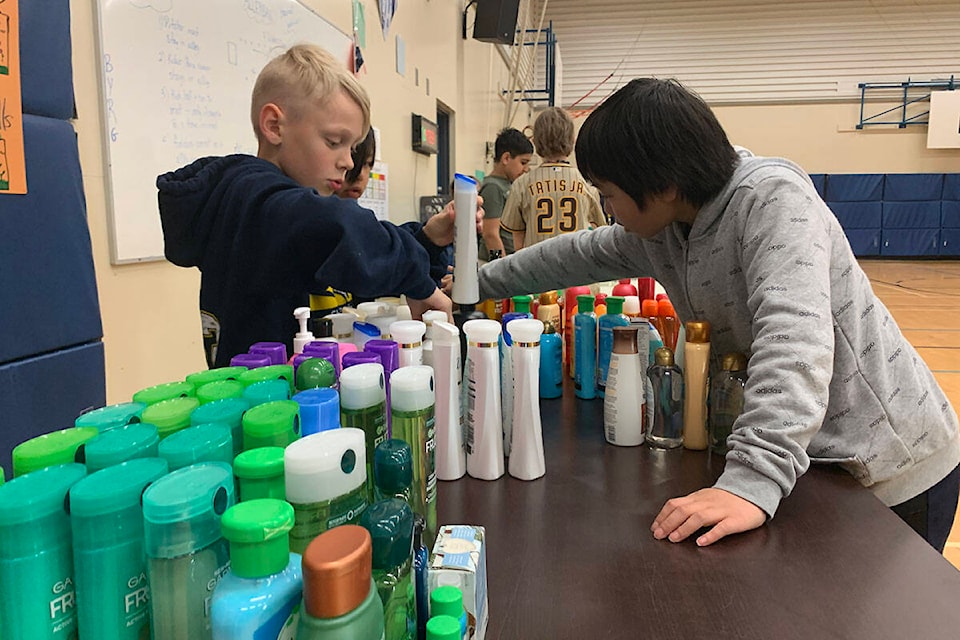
[(393, 466), (3, 476), (166, 391), (181, 510), (521, 304), (211, 442), (32, 515), (59, 447), (111, 416), (169, 416), (272, 424), (584, 304), (447, 601), (443, 628), (314, 373), (105, 506), (220, 390), (266, 391), (614, 305), (271, 372), (390, 523), (262, 462), (201, 378), (258, 531), (136, 440)]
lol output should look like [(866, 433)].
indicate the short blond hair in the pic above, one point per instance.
[(553, 133), (304, 73)]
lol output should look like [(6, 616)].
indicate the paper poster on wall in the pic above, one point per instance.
[(359, 24), (13, 172), (376, 197), (387, 9)]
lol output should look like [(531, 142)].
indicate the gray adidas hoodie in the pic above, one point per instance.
[(831, 377)]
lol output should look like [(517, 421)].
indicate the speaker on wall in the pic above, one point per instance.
[(496, 21)]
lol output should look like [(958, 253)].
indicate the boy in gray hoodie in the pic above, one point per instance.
[(746, 244)]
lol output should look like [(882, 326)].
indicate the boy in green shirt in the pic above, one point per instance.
[(513, 152)]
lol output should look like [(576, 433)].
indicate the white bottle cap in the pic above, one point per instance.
[(485, 331), (631, 305), (325, 465), (362, 386), (444, 332), (525, 330), (429, 317), (342, 325), (407, 332), (411, 388)]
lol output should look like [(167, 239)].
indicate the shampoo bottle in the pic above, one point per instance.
[(448, 601), (726, 399), (585, 339), (506, 376), (549, 310), (319, 410), (229, 412), (259, 473), (451, 456), (421, 562), (135, 440), (429, 317), (409, 337), (273, 424), (623, 405), (390, 523), (58, 447), (624, 287), (393, 471), (206, 376), (389, 352), (570, 308), (605, 324), (114, 415), (526, 459), (551, 362), (484, 430), (666, 429), (696, 378), (203, 443), (363, 405)]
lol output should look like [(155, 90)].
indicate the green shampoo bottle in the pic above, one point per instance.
[(271, 424), (259, 473), (390, 523), (363, 405)]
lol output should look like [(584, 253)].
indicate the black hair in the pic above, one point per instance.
[(652, 135), (365, 149), (513, 142)]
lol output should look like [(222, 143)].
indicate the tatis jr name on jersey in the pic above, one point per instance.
[(542, 186)]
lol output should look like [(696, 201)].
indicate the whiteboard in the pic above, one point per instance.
[(176, 78)]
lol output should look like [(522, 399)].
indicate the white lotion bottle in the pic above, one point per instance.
[(624, 399), (408, 334), (429, 317), (695, 380), (466, 285), (451, 457), (304, 336), (484, 432), (526, 454)]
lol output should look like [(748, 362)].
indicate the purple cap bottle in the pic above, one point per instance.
[(250, 360), (329, 351), (389, 352), (360, 357), (276, 351)]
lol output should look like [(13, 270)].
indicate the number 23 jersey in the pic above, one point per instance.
[(550, 200)]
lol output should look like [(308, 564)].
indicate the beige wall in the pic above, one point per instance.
[(150, 318)]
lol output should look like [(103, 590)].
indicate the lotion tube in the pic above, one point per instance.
[(623, 402), (466, 286), (526, 458), (451, 457), (484, 433), (696, 374)]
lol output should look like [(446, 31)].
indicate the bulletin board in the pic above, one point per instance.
[(176, 78)]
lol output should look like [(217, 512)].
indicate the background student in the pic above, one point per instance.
[(512, 153)]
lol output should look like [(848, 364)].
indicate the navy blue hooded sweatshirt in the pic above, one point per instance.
[(262, 241)]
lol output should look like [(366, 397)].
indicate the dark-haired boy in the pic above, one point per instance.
[(512, 158)]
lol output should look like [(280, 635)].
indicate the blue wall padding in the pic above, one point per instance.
[(950, 214), (854, 187), (950, 242), (857, 215), (910, 242), (46, 67), (48, 292), (864, 242), (951, 186), (820, 182), (911, 215), (47, 393), (913, 186)]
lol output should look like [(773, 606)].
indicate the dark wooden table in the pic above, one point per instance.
[(571, 556)]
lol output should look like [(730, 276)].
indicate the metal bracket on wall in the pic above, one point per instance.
[(547, 66), (912, 96)]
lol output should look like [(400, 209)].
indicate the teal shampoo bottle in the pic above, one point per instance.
[(585, 344), (390, 523)]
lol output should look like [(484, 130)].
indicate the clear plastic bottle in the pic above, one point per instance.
[(726, 399), (666, 431), (390, 523)]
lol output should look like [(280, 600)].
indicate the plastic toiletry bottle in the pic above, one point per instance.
[(570, 308), (304, 336), (451, 457), (393, 471), (170, 416), (696, 376), (58, 447), (363, 405), (319, 410), (111, 417), (605, 324), (200, 378), (726, 399), (448, 601), (360, 357), (409, 337), (266, 391), (36, 561), (466, 286), (342, 326), (624, 287), (506, 377), (551, 362), (272, 424), (389, 352), (631, 306), (549, 310), (186, 552), (260, 595), (646, 288), (276, 351), (443, 628), (110, 567), (390, 523), (220, 390), (340, 600), (326, 349), (259, 473), (623, 405), (421, 563), (526, 458), (363, 332), (429, 317), (600, 305), (315, 373), (210, 442), (585, 338), (135, 440), (669, 323), (229, 412), (250, 360), (275, 372), (666, 378), (326, 482), (521, 304), (165, 391), (413, 422), (484, 430)]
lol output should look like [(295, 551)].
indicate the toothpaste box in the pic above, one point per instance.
[(459, 559)]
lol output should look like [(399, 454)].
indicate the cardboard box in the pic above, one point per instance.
[(459, 559)]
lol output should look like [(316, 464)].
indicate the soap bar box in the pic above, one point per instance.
[(459, 559)]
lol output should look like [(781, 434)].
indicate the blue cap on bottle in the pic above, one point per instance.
[(136, 440), (111, 416), (211, 442), (319, 410)]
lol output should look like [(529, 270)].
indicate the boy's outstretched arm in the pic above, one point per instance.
[(721, 510)]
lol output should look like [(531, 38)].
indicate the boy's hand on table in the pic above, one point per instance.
[(437, 300), (716, 508), (439, 229)]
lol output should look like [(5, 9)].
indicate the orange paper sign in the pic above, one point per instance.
[(13, 175)]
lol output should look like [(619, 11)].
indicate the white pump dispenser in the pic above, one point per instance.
[(304, 336)]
